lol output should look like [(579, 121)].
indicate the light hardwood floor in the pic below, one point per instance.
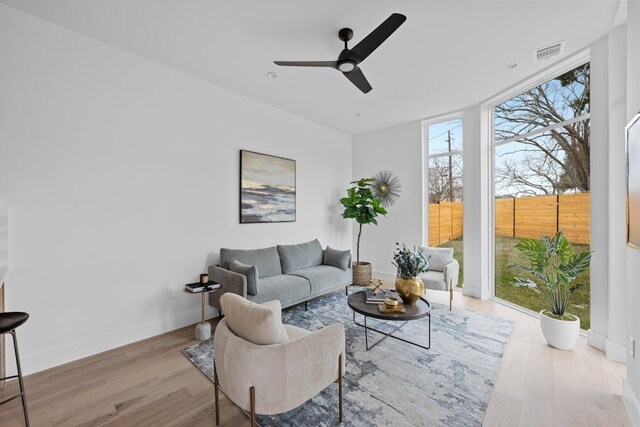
[(150, 383)]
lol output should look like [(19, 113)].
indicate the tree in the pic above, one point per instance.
[(442, 186), (558, 159)]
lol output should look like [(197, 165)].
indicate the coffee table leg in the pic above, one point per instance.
[(429, 316), (389, 334), (366, 334)]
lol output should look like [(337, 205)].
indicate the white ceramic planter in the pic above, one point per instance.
[(561, 334)]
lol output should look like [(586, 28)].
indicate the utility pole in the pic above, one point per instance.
[(450, 167)]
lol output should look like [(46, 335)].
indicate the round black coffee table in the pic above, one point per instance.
[(357, 302)]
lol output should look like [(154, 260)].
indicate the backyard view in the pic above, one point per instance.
[(445, 187), (506, 256), (542, 179)]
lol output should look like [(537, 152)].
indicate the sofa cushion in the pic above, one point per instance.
[(437, 257), (250, 271), (295, 257), (266, 260), (324, 278), (257, 323), (284, 287), (337, 258)]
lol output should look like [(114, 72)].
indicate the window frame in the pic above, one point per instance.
[(457, 115), (489, 106)]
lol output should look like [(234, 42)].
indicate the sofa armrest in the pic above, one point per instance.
[(451, 274), (229, 282)]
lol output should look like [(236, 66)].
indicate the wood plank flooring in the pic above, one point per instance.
[(150, 383)]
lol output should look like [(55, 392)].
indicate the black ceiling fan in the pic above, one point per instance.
[(349, 59)]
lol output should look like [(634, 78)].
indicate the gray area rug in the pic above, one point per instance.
[(397, 384)]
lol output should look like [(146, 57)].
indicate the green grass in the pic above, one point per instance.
[(506, 256)]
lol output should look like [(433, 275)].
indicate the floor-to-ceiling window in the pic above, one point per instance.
[(444, 186), (542, 179)]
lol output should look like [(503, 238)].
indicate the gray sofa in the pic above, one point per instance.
[(289, 273)]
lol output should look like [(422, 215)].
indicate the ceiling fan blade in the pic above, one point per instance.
[(357, 78), (331, 64), (370, 43)]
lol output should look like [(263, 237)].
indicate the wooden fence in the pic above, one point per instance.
[(520, 217)]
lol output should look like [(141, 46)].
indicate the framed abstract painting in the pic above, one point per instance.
[(632, 133), (267, 188)]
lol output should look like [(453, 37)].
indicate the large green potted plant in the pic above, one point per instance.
[(553, 266), (362, 206)]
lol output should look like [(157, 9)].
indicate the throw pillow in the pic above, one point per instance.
[(266, 260), (302, 255), (337, 258), (250, 271), (258, 323), (437, 257)]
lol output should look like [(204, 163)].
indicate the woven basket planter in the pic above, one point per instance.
[(361, 273)]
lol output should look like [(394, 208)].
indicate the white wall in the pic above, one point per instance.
[(122, 181), (477, 201), (599, 52), (608, 196), (631, 390), (397, 149), (4, 242)]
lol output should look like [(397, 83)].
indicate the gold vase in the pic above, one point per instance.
[(410, 289)]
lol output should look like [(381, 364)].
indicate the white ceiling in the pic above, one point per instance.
[(448, 55)]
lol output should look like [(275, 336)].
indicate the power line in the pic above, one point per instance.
[(448, 130)]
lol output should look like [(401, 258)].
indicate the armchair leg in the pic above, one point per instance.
[(215, 386), (450, 294), (252, 397), (340, 388)]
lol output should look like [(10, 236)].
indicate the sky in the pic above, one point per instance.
[(438, 136)]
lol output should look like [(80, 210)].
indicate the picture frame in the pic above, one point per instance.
[(267, 188), (632, 140)]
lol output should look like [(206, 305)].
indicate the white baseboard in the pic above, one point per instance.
[(68, 353), (478, 293), (594, 339), (631, 403), (616, 352)]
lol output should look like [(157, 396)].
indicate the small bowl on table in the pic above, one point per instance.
[(391, 302)]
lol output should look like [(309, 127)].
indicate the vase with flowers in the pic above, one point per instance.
[(409, 263)]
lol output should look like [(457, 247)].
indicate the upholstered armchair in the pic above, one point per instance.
[(269, 368), (443, 272)]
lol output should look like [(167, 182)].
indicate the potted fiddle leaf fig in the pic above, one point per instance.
[(553, 266), (362, 206)]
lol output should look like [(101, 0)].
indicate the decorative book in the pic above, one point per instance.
[(376, 297), (397, 309), (202, 287)]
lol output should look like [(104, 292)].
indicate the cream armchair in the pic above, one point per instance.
[(269, 368), (443, 272)]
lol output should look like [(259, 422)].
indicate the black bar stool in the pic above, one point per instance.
[(8, 324)]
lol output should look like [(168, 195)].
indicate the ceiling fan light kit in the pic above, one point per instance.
[(349, 59)]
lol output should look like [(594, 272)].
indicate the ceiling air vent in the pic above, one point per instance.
[(547, 52)]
